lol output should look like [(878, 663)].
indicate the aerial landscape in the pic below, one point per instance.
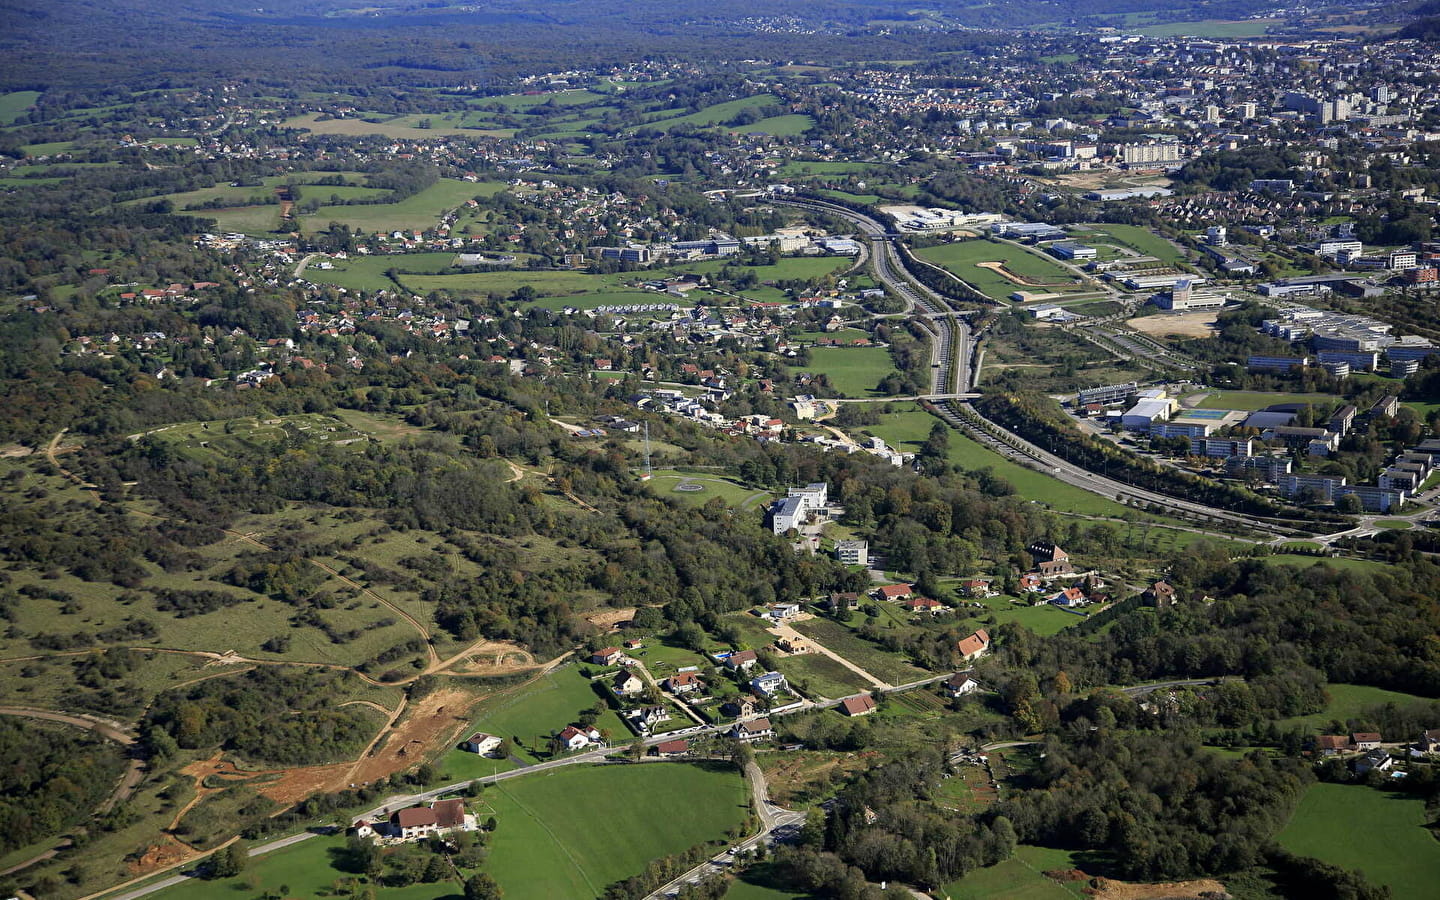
[(475, 449)]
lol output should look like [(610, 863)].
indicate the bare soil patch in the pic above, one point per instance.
[(491, 658), (610, 619), (432, 723), (1185, 325), (1106, 889), (999, 269)]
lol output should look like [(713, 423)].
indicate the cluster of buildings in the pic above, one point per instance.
[(1342, 343)]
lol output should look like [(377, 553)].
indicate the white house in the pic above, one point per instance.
[(482, 744), (576, 738), (769, 683)]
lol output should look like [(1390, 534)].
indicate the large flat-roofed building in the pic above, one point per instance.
[(1074, 251), (1157, 280), (1270, 468), (1276, 363), (1106, 394), (1223, 448), (1359, 360), (1145, 412), (853, 553), (1323, 486), (787, 514), (1029, 231), (1373, 499)]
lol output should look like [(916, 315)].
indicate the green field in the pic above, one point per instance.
[(962, 257), (815, 674), (854, 372), (530, 714), (305, 869), (780, 126), (1348, 700), (1381, 834), (1043, 620), (733, 493), (1019, 878), (1216, 28), (883, 664), (570, 832), (422, 210), (394, 127), (367, 273), (720, 113), (1250, 401), (14, 104), (1339, 562), (1141, 240)]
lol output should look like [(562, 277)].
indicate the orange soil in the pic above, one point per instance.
[(609, 619), (1179, 890), (435, 721), (494, 658)]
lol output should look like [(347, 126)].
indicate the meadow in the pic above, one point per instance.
[(1141, 240), (883, 664), (13, 105), (367, 273), (442, 125), (853, 371), (1347, 701), (419, 211), (1019, 878), (530, 714), (1379, 833), (569, 832), (718, 114)]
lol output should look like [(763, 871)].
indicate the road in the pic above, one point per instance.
[(778, 816)]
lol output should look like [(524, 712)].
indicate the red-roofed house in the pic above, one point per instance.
[(610, 656), (975, 646), (671, 749), (683, 683), (961, 684), (1072, 596), (1331, 744), (894, 591), (924, 605), (1365, 740), (573, 738), (862, 705)]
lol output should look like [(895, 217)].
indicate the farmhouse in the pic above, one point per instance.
[(960, 684), (1050, 560), (924, 605), (1365, 740), (417, 822), (481, 743), (862, 705), (671, 749), (610, 656), (976, 587), (974, 646), (893, 592), (1331, 744)]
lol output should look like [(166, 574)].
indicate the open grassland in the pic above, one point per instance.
[(1347, 701), (529, 715), (780, 126), (719, 114), (1043, 620), (816, 675), (14, 104), (1250, 401), (367, 273), (962, 258), (567, 833), (421, 210), (1215, 28), (1381, 834), (307, 869), (395, 127), (263, 194), (853, 371), (1019, 878), (736, 495)]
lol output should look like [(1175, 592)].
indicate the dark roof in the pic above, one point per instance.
[(673, 747), (414, 817), (449, 813), (856, 706)]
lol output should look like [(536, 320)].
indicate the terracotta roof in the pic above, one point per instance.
[(974, 643), (673, 747), (858, 706), (1332, 742), (891, 591), (415, 817)]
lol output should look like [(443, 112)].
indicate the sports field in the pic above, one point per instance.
[(569, 832), (1379, 833), (963, 259), (1255, 400)]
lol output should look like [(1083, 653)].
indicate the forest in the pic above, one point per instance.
[(51, 778)]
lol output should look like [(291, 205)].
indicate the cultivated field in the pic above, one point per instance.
[(1183, 325)]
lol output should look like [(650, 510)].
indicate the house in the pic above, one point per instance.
[(1031, 583), (684, 683), (769, 684), (740, 707), (1160, 594), (633, 644), (417, 822), (977, 588), (414, 823), (925, 605), (626, 684), (753, 730), (481, 743), (778, 611), (960, 684), (974, 646), (1070, 598), (1429, 742), (893, 592), (741, 660), (610, 656), (647, 717), (1050, 559), (1331, 744), (792, 645), (1365, 740), (862, 705), (575, 738), (671, 749), (1374, 760)]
